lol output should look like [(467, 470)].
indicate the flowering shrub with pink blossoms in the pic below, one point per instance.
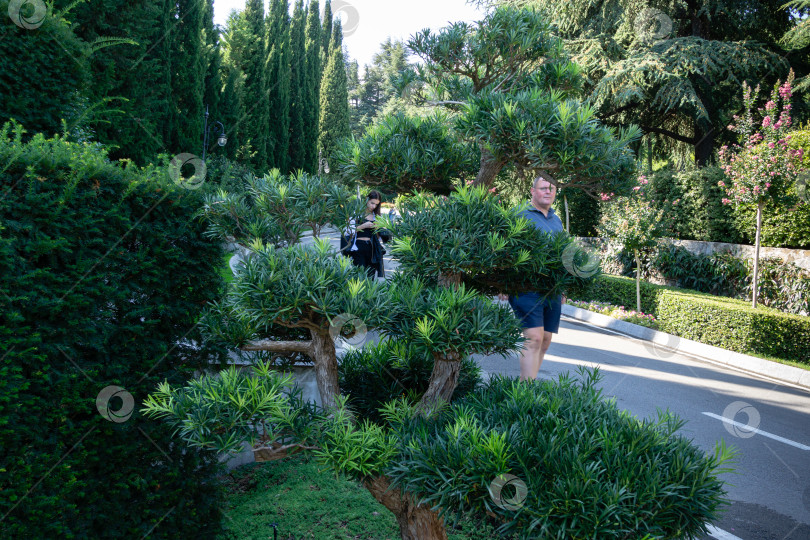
[(634, 223), (764, 168), (764, 165)]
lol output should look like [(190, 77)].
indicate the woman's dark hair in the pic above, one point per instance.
[(375, 195)]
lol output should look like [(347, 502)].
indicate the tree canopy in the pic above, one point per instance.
[(513, 93)]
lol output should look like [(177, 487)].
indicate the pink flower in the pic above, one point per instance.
[(777, 125), (721, 183), (770, 105), (767, 185), (636, 188), (770, 145), (766, 121), (725, 201)]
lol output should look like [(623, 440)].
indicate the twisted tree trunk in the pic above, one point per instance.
[(416, 522), (326, 372), (443, 380), (446, 365), (489, 168), (322, 351)]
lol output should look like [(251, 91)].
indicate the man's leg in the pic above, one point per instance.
[(546, 344), (532, 354)]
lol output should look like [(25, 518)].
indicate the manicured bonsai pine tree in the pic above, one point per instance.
[(432, 457), (513, 94)]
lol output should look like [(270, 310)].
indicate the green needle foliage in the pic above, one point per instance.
[(408, 153), (277, 209), (334, 99), (672, 68), (589, 469), (221, 412), (445, 321), (376, 374), (105, 273), (516, 93), (471, 237)]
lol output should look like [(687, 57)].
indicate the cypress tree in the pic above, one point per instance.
[(334, 109), (232, 105), (232, 109), (326, 33), (134, 79), (188, 75), (312, 86), (278, 80), (297, 88), (213, 60), (255, 84), (353, 87)]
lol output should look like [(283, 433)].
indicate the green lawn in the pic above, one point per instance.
[(226, 272), (305, 502)]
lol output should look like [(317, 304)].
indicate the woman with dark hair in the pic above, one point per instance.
[(366, 249)]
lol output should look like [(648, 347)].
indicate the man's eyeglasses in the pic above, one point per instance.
[(548, 188)]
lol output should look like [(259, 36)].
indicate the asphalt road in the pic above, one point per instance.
[(770, 489)]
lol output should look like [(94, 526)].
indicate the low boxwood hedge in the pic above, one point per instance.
[(714, 320)]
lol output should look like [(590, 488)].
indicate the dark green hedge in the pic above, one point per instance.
[(699, 213), (583, 211), (723, 322), (104, 274)]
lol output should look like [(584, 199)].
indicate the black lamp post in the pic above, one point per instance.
[(219, 131)]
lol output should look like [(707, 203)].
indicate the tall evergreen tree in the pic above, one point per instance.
[(334, 109), (353, 87), (326, 32), (130, 96), (674, 69), (233, 113), (298, 93), (256, 84), (312, 86), (188, 77), (213, 61), (378, 87), (232, 109), (278, 80)]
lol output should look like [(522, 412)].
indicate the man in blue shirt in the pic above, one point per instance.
[(538, 313)]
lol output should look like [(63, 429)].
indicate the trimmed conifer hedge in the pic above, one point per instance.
[(714, 320), (104, 274)]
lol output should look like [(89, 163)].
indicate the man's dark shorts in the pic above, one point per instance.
[(534, 310)]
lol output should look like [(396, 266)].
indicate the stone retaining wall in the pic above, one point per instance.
[(799, 257)]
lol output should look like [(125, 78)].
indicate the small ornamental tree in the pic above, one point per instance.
[(453, 251), (546, 460), (514, 95), (635, 224), (763, 167)]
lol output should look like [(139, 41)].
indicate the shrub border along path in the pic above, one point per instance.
[(666, 345)]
